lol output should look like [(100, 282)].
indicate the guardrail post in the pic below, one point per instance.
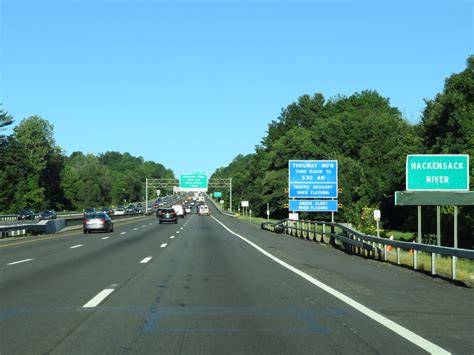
[(385, 252), (323, 233), (398, 255), (332, 240), (453, 267), (414, 260), (453, 261), (433, 264)]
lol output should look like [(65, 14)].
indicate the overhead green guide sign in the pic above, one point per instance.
[(193, 182), (437, 172)]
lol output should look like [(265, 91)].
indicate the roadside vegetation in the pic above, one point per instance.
[(370, 138), (36, 173)]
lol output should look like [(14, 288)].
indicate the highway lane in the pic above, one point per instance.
[(67, 277), (430, 306), (207, 291)]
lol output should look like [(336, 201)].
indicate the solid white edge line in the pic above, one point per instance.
[(98, 298), (19, 262), (76, 246), (391, 325), (163, 245), (147, 259)]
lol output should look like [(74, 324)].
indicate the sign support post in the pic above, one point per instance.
[(453, 273), (146, 196)]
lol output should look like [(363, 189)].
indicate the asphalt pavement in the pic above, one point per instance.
[(216, 285)]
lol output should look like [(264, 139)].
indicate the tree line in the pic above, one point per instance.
[(36, 173), (370, 139)]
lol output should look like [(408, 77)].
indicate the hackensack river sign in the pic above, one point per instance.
[(437, 172)]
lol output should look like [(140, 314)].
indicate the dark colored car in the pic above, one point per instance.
[(167, 215), (89, 210), (26, 214), (97, 222), (108, 210), (48, 214)]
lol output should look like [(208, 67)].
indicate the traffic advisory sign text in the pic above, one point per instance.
[(312, 178)]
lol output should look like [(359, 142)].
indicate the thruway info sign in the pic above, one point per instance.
[(312, 178)]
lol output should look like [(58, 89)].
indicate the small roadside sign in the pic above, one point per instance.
[(293, 216), (244, 203), (377, 215)]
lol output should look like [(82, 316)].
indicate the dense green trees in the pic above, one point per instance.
[(5, 120), (447, 127), (369, 138), (34, 172)]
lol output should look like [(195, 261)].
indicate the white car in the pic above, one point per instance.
[(204, 210), (179, 210), (119, 211)]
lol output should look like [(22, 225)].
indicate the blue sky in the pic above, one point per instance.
[(191, 84)]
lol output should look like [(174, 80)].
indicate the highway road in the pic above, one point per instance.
[(216, 285)]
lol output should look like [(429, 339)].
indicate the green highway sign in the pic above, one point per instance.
[(437, 172), (193, 182), (217, 194)]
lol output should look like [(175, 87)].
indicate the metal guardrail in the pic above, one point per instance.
[(14, 216), (219, 208), (77, 219), (354, 241)]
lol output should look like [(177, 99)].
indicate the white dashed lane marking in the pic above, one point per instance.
[(98, 298), (147, 259), (105, 238), (123, 233), (19, 261), (76, 246), (172, 237), (163, 245)]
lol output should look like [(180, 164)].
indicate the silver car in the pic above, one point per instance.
[(97, 222)]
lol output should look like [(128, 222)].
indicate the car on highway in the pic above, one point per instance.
[(167, 215), (179, 210), (119, 211), (204, 210), (26, 214), (89, 210), (99, 221), (108, 210), (48, 214)]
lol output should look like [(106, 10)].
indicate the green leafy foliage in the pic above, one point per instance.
[(35, 173), (370, 139)]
